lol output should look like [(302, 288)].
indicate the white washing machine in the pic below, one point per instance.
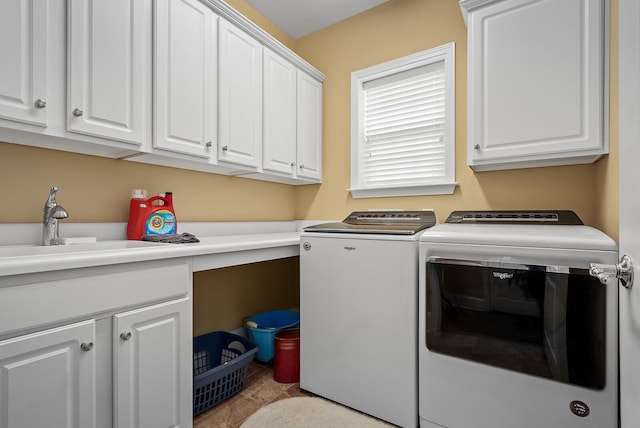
[(513, 331), (359, 312)]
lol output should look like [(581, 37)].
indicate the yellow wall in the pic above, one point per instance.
[(94, 189), (223, 298), (402, 27)]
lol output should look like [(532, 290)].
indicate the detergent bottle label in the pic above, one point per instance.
[(161, 222)]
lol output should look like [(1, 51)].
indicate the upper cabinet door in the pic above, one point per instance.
[(185, 77), (240, 102), (309, 127), (23, 49), (536, 89), (109, 68), (279, 114)]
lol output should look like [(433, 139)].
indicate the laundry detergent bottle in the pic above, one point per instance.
[(153, 216)]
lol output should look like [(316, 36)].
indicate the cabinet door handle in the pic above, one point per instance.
[(301, 166), (225, 148), (293, 164), (476, 146), (209, 144), (86, 346), (125, 335), (77, 112), (40, 103)]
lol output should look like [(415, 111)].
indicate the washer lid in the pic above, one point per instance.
[(396, 222), (551, 217)]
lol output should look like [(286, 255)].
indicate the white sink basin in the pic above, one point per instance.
[(40, 250)]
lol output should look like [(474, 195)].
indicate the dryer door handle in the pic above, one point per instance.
[(622, 271)]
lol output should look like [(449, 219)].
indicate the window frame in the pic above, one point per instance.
[(444, 53)]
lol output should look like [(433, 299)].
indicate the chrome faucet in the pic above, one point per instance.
[(52, 214)]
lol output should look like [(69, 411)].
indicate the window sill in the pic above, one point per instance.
[(387, 192)]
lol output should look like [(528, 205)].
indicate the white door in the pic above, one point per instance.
[(153, 362), (23, 49), (48, 378), (185, 117), (110, 69), (629, 84), (309, 127), (279, 114), (240, 102)]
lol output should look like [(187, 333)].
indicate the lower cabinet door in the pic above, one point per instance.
[(47, 379), (153, 366)]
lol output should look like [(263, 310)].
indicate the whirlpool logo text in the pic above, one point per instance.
[(502, 275)]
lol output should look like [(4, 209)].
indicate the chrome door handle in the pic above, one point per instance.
[(40, 103), (622, 271), (77, 112), (125, 335)]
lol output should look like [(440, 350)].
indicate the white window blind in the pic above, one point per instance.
[(404, 126)]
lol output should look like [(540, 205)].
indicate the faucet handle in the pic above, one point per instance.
[(52, 192), (51, 201)]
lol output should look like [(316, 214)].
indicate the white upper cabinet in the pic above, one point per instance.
[(240, 96), (185, 118), (292, 120), (180, 83), (109, 72), (309, 128), (279, 114), (536, 82), (24, 50)]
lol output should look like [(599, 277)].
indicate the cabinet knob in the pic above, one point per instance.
[(125, 335), (225, 148), (208, 144), (476, 146), (77, 112), (293, 164), (301, 166), (40, 103), (86, 346)]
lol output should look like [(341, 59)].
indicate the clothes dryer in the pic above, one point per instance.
[(513, 330)]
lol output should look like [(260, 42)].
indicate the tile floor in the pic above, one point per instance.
[(260, 389)]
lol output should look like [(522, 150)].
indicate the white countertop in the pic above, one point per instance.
[(221, 244), (209, 253)]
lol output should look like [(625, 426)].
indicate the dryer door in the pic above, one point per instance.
[(545, 321)]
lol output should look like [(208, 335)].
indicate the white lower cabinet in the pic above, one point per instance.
[(47, 379), (107, 347), (149, 366)]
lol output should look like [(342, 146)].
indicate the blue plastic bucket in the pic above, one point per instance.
[(263, 328)]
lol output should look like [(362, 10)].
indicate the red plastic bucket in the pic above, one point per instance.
[(286, 358)]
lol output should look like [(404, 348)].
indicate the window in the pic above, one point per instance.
[(403, 126)]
